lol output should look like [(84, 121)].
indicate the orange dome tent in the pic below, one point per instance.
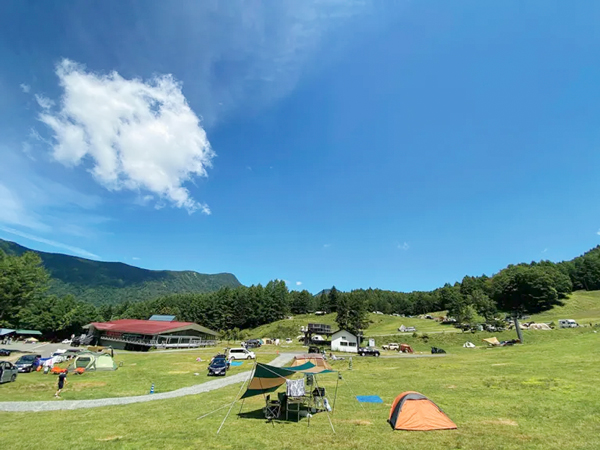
[(412, 411)]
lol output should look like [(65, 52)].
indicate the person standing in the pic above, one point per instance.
[(62, 381)]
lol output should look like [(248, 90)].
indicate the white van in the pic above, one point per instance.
[(567, 323), (240, 353)]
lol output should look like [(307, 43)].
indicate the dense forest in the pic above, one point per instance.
[(25, 300), (100, 282)]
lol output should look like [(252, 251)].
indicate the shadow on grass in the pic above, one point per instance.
[(258, 414)]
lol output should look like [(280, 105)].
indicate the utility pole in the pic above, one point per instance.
[(516, 322)]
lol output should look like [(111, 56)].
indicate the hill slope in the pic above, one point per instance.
[(100, 282), (583, 306), (380, 325)]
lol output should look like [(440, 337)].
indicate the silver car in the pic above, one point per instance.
[(8, 372)]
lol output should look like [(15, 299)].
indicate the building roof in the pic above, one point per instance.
[(4, 331), (149, 326), (162, 318), (341, 330)]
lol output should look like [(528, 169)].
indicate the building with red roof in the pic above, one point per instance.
[(158, 332)]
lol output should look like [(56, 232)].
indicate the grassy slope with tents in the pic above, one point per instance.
[(542, 395), (167, 370), (381, 324)]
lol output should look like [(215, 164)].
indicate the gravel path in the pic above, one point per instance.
[(55, 405)]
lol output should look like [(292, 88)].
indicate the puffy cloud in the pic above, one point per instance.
[(25, 88), (298, 283), (139, 135)]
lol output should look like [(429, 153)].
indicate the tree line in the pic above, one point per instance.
[(517, 289)]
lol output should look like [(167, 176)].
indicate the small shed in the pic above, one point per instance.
[(344, 341)]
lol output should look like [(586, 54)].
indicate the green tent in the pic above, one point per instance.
[(94, 361)]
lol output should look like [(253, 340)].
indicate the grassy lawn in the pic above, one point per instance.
[(542, 395), (167, 370), (583, 306)]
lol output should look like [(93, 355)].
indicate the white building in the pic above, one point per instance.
[(344, 341)]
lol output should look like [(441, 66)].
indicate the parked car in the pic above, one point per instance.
[(315, 349), (240, 353), (5, 352), (8, 372), (25, 362), (567, 323), (368, 351), (253, 343), (391, 346), (218, 366)]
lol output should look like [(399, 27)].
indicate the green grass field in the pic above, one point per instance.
[(583, 306), (541, 395), (167, 370)]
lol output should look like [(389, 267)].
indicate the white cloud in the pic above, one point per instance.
[(135, 258), (545, 250), (44, 102), (140, 136), (298, 283), (76, 250), (598, 232), (404, 246), (25, 88)]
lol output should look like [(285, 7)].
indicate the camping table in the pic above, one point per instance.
[(299, 402)]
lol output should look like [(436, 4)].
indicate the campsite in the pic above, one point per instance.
[(299, 224), (507, 397)]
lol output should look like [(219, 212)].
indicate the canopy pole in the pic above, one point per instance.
[(208, 414), (232, 403), (243, 400), (319, 391), (335, 395)]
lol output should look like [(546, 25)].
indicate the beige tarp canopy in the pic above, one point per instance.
[(314, 358), (492, 341)]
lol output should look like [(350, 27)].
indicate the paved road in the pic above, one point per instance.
[(281, 360), (42, 348)]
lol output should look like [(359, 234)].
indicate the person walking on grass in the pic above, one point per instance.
[(62, 380)]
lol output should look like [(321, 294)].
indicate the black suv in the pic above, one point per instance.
[(315, 349), (253, 343), (368, 351), (218, 366)]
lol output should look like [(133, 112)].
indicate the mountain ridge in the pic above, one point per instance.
[(101, 282)]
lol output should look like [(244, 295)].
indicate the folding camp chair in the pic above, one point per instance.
[(272, 409)]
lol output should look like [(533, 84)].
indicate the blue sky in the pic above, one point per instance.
[(321, 142)]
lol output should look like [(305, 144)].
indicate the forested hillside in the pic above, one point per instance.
[(100, 282), (26, 301)]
